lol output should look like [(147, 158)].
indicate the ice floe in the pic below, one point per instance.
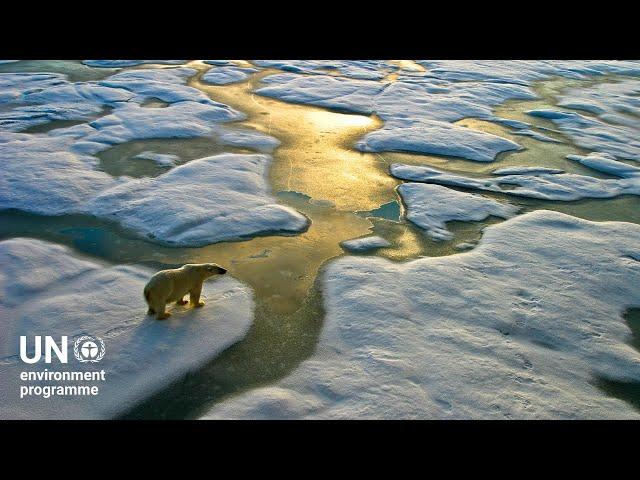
[(212, 199), (166, 84), (227, 74), (525, 171), (364, 244), (417, 116), (522, 326), (431, 206), (56, 172), (14, 85), (544, 186), (22, 118), (614, 102), (465, 246), (593, 134), (355, 96), (208, 200), (448, 91), (243, 137), (524, 72), (162, 159), (42, 98), (427, 99), (218, 62), (527, 132), (39, 98), (133, 122), (128, 63), (356, 69), (437, 138), (48, 290), (78, 93), (40, 174)]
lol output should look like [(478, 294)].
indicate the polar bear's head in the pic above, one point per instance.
[(206, 270), (213, 269)]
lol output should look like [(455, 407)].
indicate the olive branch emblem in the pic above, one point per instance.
[(78, 343)]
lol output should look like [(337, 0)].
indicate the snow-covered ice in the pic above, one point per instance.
[(431, 206), (605, 163), (13, 85), (465, 246), (418, 115), (355, 69), (218, 62), (40, 98), (168, 85), (129, 63), (527, 132), (436, 138), (416, 103), (525, 72), (615, 102), (356, 96), (224, 197), (545, 186), (41, 174), (77, 93), (212, 199), (227, 74), (243, 137), (525, 171), (162, 159), (133, 122), (519, 327), (364, 244), (47, 289), (594, 134), (57, 173)]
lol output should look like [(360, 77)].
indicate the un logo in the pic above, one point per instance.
[(88, 349)]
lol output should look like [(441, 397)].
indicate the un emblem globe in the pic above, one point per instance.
[(89, 349)]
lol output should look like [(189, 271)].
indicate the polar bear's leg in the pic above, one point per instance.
[(151, 311), (194, 296), (157, 305), (162, 314)]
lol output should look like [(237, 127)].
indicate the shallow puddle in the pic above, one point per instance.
[(75, 70)]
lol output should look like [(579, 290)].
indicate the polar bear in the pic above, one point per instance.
[(172, 285)]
